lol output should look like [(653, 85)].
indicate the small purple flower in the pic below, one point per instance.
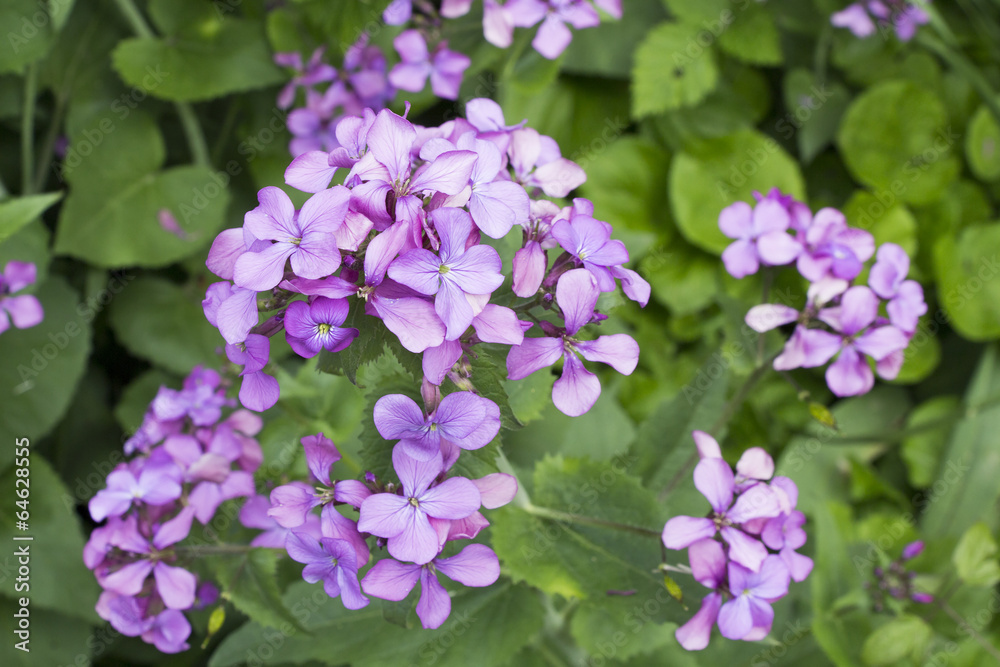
[(456, 272), (856, 19), (538, 163), (253, 514), (553, 36), (312, 327), (913, 549), (888, 280), (444, 67), (258, 390), (577, 389), (305, 237), (154, 481), (708, 566), (475, 565), (715, 480), (462, 418), (332, 561), (832, 249), (404, 520), (589, 241), (749, 612), (24, 311), (761, 237)]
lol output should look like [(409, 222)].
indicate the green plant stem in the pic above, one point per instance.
[(556, 515), (217, 549), (728, 410), (955, 616), (192, 130), (28, 129), (961, 64), (49, 144)]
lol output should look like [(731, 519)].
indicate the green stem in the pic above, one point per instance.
[(217, 549), (192, 130), (955, 616), (556, 515), (728, 410), (965, 68), (49, 144), (28, 129)]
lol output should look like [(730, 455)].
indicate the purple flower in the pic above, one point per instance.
[(24, 311), (832, 249), (905, 17), (577, 389), (537, 163), (784, 534), (398, 12), (856, 19), (168, 632), (462, 418), (714, 479), (913, 549), (749, 614), (444, 67), (761, 234), (253, 514), (405, 520), (332, 561), (154, 481), (233, 310), (589, 241), (456, 272), (888, 280), (312, 327), (290, 503), (553, 36), (316, 71), (475, 565), (258, 390), (305, 237)]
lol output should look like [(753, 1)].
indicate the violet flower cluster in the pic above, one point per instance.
[(896, 580), (414, 519), (188, 461), (402, 241), (744, 550), (865, 17), (501, 17), (841, 320), (23, 311)]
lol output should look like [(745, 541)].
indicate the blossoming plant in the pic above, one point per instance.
[(365, 79)]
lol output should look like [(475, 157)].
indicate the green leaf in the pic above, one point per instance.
[(975, 557), (607, 49), (76, 638), (249, 581), (487, 626), (111, 217), (561, 543), (753, 37), (220, 58), (966, 268), (374, 341), (982, 145), (706, 179), (909, 156), (684, 281), (28, 33), (932, 420), (57, 539), (703, 11), (18, 212), (41, 366), (487, 381), (622, 627), (164, 323), (905, 635), (672, 70), (814, 111), (965, 489)]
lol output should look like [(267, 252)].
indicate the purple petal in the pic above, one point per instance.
[(335, 525), (273, 218), (413, 320), (755, 463), (237, 315), (226, 247), (415, 474), (418, 269), (552, 38), (736, 220), (769, 316), (557, 178), (418, 542), (497, 324), (740, 259), (385, 515), (350, 589), (321, 453), (434, 605), (620, 351), (696, 633), (735, 619), (25, 310), (770, 216), (799, 566), (576, 294), (175, 585), (532, 355), (454, 309), (757, 502), (477, 271), (635, 286), (708, 563), (174, 530), (169, 632), (389, 141), (858, 309), (856, 19), (878, 343), (350, 491), (496, 489), (771, 582), (391, 580), (681, 532), (498, 206), (260, 271), (290, 503), (398, 416), (310, 172), (448, 173), (708, 447), (459, 414), (714, 479), (259, 391), (455, 498), (849, 375), (778, 248), (437, 361), (743, 549), (577, 389), (129, 579), (475, 565)]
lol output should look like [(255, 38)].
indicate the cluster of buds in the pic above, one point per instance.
[(744, 550), (896, 581), (841, 320), (188, 461), (864, 18)]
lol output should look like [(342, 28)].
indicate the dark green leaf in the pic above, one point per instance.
[(249, 582)]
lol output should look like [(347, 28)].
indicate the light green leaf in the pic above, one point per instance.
[(922, 450), (41, 366), (672, 70), (18, 212), (684, 280), (622, 627), (982, 145), (975, 557), (753, 37), (903, 154), (814, 111), (599, 51), (967, 268), (28, 33), (227, 56), (721, 171), (160, 321), (57, 539), (905, 635)]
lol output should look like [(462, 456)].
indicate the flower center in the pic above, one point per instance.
[(323, 329), (443, 269), (295, 241), (414, 502)]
